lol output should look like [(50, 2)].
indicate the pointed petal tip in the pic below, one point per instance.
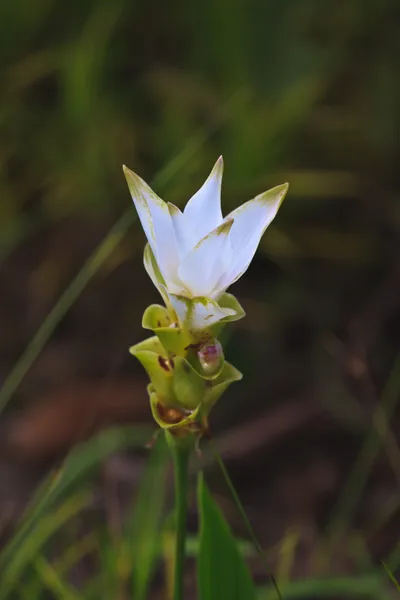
[(135, 183), (280, 189), (133, 177), (129, 175), (284, 187), (275, 195), (173, 210), (218, 168)]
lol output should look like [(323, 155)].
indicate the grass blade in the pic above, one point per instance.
[(222, 572), (77, 466)]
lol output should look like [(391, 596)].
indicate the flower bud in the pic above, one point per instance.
[(211, 357)]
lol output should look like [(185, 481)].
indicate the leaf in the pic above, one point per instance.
[(222, 572), (143, 530), (128, 552), (47, 526), (61, 589), (76, 467), (361, 587), (391, 576)]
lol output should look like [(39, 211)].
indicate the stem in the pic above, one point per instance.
[(181, 464)]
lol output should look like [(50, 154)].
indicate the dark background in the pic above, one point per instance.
[(306, 92)]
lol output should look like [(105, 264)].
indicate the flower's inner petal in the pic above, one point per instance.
[(205, 314), (198, 313), (223, 264), (158, 228), (201, 269), (183, 231), (203, 213), (181, 307), (250, 221)]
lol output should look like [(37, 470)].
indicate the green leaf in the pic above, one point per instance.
[(62, 590), (128, 551), (143, 530), (391, 576), (222, 572), (46, 527), (362, 587), (76, 468)]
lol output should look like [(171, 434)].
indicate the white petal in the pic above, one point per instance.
[(207, 313), (153, 271), (250, 221), (180, 306), (198, 313), (134, 185), (203, 267), (203, 211), (184, 236), (157, 224)]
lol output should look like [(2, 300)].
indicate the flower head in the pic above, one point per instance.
[(195, 255)]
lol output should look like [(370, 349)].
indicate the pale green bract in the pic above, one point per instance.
[(195, 255)]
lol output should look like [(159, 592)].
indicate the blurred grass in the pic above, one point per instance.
[(87, 89), (368, 587), (79, 464), (65, 495), (374, 440)]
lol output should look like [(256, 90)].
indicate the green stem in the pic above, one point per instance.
[(181, 466)]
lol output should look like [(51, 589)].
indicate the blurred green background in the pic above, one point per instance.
[(300, 91)]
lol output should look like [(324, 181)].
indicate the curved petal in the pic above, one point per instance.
[(157, 224), (203, 213), (203, 267), (250, 221), (198, 313), (152, 270)]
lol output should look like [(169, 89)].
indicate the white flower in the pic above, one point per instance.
[(198, 252)]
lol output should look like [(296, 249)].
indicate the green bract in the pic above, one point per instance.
[(182, 391), (179, 382), (177, 334)]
